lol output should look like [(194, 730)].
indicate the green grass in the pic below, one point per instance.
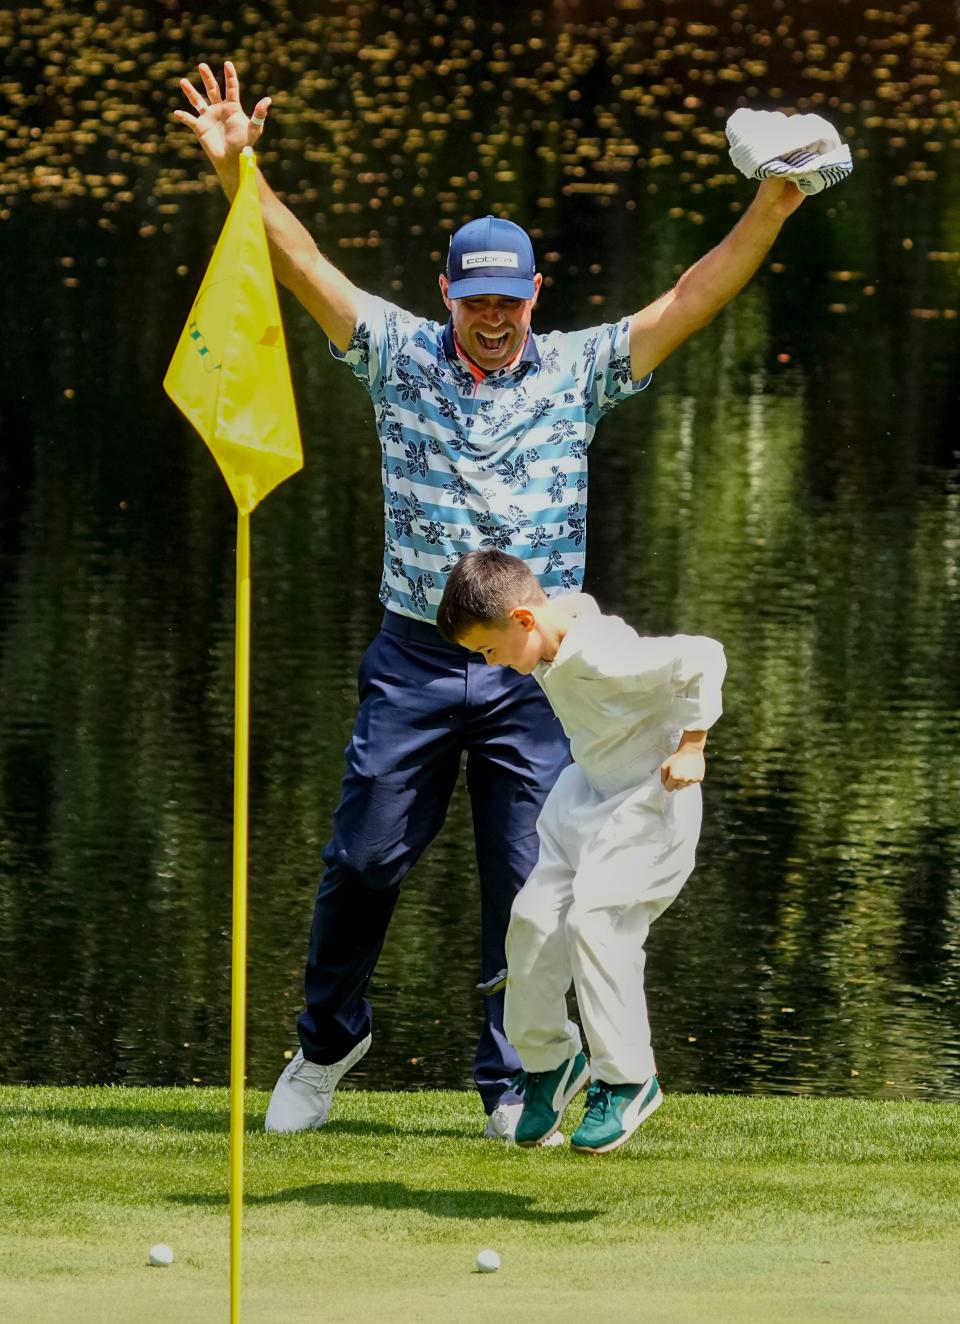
[(721, 1209)]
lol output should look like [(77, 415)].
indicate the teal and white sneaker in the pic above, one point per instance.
[(502, 1125), (613, 1113), (545, 1097)]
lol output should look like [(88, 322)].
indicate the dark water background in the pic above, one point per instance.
[(790, 484)]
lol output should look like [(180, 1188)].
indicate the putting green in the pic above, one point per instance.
[(720, 1209)]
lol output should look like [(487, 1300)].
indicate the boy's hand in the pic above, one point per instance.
[(686, 766)]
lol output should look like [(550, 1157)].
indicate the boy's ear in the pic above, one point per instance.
[(524, 618)]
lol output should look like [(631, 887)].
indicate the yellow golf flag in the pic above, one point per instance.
[(229, 373)]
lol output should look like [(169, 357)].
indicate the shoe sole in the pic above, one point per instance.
[(645, 1112), (572, 1093)]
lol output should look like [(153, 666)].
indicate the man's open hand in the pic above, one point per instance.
[(219, 121)]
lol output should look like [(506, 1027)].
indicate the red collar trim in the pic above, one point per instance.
[(478, 373)]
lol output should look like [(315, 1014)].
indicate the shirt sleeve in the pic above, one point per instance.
[(698, 680), (689, 668), (605, 364), (380, 329)]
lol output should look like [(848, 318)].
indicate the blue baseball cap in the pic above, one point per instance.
[(491, 256)]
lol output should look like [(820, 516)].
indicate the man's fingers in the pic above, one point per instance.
[(211, 84), (231, 83), (258, 118), (193, 96), (191, 121)]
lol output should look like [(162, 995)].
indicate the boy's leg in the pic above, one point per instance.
[(516, 749), (538, 962), (606, 948), (629, 874), (539, 976), (608, 959), (607, 935)]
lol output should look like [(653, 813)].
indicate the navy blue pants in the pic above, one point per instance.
[(423, 703)]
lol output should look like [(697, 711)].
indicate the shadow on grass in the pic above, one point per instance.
[(353, 1127), (210, 1120), (466, 1204), (127, 1118)]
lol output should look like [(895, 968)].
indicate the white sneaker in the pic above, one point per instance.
[(502, 1125), (302, 1096)]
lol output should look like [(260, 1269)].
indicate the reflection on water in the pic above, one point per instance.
[(790, 484)]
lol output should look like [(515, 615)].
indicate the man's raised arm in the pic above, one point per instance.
[(710, 284), (223, 131)]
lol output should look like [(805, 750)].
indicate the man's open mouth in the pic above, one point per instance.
[(492, 343)]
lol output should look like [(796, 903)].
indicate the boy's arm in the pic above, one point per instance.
[(698, 681), (687, 765), (698, 677)]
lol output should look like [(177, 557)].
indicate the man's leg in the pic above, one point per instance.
[(402, 764), (517, 750)]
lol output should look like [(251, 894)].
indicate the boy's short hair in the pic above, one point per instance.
[(482, 589)]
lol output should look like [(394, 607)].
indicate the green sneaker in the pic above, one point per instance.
[(613, 1113), (546, 1095)]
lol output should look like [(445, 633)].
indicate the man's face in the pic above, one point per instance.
[(491, 327), (518, 643)]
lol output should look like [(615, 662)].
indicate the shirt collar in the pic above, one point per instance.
[(529, 354), (584, 613)]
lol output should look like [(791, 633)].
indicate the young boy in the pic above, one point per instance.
[(618, 834)]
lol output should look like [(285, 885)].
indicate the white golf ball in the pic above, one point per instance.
[(488, 1261), (160, 1255)]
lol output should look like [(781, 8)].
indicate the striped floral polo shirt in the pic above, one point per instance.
[(496, 463)]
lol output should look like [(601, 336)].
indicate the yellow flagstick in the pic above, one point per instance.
[(238, 1020), (230, 377)]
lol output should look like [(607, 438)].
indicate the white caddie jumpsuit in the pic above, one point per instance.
[(615, 846)]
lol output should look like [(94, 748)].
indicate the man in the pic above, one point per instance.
[(484, 429)]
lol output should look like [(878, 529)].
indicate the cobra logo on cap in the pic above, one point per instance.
[(490, 258)]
